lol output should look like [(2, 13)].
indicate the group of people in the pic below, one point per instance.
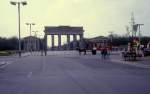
[(81, 50), (104, 52)]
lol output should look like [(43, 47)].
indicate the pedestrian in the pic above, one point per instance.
[(108, 53), (45, 52), (42, 52), (102, 53), (105, 53), (94, 50), (79, 51), (84, 51)]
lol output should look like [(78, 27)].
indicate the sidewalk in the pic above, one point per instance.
[(144, 62), (22, 54), (5, 60)]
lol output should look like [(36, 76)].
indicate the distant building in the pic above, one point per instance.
[(31, 43), (97, 42)]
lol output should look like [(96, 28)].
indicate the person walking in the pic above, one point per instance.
[(94, 50), (84, 51), (104, 53)]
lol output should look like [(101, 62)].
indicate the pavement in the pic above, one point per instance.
[(142, 62), (5, 60), (66, 72), (115, 57)]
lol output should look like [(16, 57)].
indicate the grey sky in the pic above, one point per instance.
[(97, 16)]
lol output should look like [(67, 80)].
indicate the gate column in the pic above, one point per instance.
[(68, 42), (59, 42), (74, 41), (52, 39)]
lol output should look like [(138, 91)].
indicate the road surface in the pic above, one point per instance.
[(69, 73)]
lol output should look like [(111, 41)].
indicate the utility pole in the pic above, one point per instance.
[(41, 44), (30, 39), (18, 4), (111, 36), (132, 25), (140, 31), (128, 33), (35, 42), (111, 39)]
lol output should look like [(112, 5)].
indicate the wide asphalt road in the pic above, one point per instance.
[(72, 74)]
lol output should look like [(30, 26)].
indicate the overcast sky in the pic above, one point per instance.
[(98, 17)]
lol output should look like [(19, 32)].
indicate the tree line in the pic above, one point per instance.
[(121, 40), (8, 43), (12, 43)]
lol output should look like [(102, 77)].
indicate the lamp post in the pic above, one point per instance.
[(18, 4), (111, 36), (35, 35), (41, 44), (140, 31), (111, 39), (30, 26)]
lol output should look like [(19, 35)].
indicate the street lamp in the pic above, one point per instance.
[(35, 35), (30, 25), (18, 4), (41, 45), (111, 36), (140, 31)]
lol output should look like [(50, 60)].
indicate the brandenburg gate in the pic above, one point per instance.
[(64, 30)]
